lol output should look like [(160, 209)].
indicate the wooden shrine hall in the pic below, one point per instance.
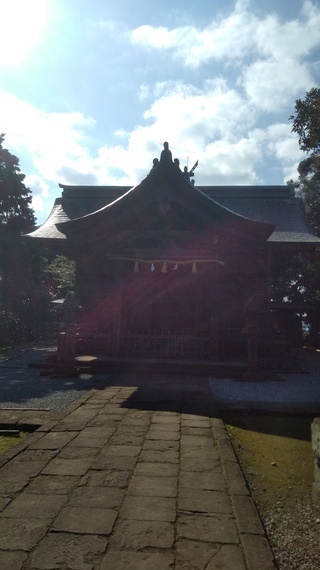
[(170, 271)]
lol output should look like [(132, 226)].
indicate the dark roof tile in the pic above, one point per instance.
[(274, 205)]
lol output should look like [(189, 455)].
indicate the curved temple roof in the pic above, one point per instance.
[(270, 213)]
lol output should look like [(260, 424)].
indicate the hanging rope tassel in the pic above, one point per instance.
[(136, 267), (164, 268), (194, 267)]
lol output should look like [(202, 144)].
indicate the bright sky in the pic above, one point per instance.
[(90, 90)]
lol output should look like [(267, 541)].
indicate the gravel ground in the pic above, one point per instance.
[(23, 387), (293, 529), (294, 534), (284, 391), (293, 525)]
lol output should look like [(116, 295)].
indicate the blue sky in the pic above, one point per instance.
[(89, 90)]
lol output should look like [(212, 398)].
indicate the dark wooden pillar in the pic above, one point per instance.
[(69, 348), (118, 314), (215, 295), (251, 328)]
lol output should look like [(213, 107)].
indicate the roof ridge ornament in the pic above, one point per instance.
[(189, 174), (166, 154), (166, 157)]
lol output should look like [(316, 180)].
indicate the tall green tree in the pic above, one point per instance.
[(306, 123), (16, 280), (298, 278), (16, 214)]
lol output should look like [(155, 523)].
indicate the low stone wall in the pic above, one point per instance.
[(315, 432)]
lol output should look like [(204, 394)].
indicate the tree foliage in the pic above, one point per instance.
[(63, 272), (18, 293), (306, 121), (309, 185), (30, 278), (15, 198), (297, 278)]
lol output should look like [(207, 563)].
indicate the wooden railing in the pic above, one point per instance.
[(165, 345), (145, 344)]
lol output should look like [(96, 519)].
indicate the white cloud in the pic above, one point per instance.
[(272, 84), (58, 148), (234, 37), (282, 142), (54, 140), (293, 39), (229, 38), (40, 191), (209, 124), (270, 54), (151, 37), (224, 162), (38, 185), (199, 115), (215, 125), (281, 145)]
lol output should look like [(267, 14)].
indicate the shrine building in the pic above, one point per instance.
[(168, 270)]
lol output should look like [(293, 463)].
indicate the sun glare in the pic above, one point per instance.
[(22, 26)]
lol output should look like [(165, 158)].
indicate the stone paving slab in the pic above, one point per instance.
[(205, 556), (12, 560), (139, 475), (137, 535), (131, 560), (76, 551)]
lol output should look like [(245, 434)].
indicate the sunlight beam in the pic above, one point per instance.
[(22, 26)]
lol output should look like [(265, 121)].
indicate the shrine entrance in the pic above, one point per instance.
[(171, 314)]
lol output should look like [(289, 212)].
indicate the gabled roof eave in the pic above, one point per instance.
[(168, 174)]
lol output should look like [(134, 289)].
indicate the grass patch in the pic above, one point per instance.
[(276, 457), (6, 442), (275, 453)]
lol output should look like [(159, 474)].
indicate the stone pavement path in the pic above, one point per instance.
[(139, 475)]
